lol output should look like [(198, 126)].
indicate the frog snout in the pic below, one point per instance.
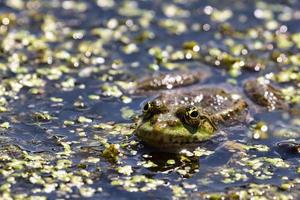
[(165, 124), (168, 121), (164, 120), (173, 123)]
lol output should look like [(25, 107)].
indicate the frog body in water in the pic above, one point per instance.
[(184, 118), (167, 81), (263, 93)]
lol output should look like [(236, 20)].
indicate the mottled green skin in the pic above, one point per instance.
[(168, 125)]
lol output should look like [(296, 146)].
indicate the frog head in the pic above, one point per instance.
[(173, 126)]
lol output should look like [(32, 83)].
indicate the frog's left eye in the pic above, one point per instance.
[(194, 114)]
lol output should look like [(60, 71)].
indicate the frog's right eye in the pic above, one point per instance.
[(147, 107), (154, 107)]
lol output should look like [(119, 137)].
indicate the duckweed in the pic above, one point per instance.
[(68, 73)]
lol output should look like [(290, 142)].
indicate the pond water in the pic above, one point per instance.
[(67, 116)]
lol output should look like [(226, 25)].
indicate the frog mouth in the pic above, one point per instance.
[(165, 140), (170, 147)]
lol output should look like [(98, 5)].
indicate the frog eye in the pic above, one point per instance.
[(194, 114), (154, 107), (147, 107)]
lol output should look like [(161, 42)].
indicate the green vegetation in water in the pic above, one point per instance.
[(74, 74)]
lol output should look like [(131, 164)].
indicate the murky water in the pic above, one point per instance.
[(66, 115)]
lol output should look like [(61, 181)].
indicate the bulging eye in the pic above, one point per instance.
[(147, 107), (193, 114), (154, 107), (193, 117)]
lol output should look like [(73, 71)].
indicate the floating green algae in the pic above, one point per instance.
[(68, 113)]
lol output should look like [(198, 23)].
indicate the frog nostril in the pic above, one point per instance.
[(153, 120)]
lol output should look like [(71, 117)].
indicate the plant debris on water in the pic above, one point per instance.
[(67, 113)]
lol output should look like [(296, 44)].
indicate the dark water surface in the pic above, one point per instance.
[(66, 113)]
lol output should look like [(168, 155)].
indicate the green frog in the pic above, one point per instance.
[(263, 93), (171, 80), (184, 118)]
